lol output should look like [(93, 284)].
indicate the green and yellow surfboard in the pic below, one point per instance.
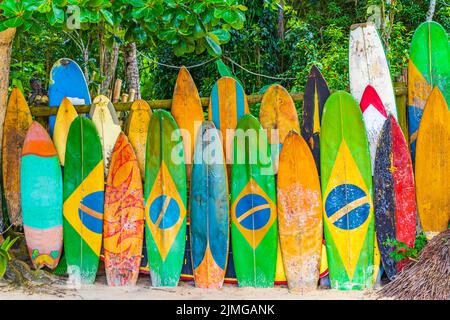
[(253, 206), (83, 200), (347, 194), (165, 200)]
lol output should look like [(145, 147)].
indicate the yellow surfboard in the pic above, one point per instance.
[(188, 113), (433, 165), (137, 128), (64, 118)]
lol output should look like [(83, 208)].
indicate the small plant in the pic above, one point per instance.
[(5, 257), (402, 251)]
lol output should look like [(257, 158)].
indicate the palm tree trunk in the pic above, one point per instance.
[(132, 69)]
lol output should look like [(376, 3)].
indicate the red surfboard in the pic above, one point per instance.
[(394, 194)]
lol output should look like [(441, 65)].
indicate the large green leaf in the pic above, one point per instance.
[(214, 46)]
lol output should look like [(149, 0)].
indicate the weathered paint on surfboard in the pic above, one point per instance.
[(374, 116), (429, 66), (66, 81), (368, 65), (228, 103), (433, 165), (347, 194), (165, 200), (17, 121), (137, 128), (42, 195), (83, 200), (316, 94), (188, 113), (394, 194), (209, 209), (278, 116), (64, 118), (253, 206), (123, 233), (105, 119), (299, 214)]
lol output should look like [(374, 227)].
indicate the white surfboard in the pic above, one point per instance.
[(105, 119), (368, 65)]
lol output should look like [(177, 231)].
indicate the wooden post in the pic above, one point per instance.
[(125, 98), (132, 95), (401, 101), (117, 89)]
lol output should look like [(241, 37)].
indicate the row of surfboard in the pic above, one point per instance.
[(341, 157)]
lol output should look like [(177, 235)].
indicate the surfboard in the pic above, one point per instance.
[(429, 66), (254, 233), (433, 165), (83, 194), (368, 66), (137, 128), (165, 200), (64, 118), (299, 214), (228, 103), (17, 121), (105, 119), (374, 116), (347, 194), (394, 194), (187, 111), (316, 94), (209, 209), (124, 216), (41, 196), (66, 81), (278, 116)]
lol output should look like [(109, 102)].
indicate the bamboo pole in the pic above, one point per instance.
[(39, 111)]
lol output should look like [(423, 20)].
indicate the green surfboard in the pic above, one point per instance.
[(83, 192), (254, 230), (347, 194), (165, 200)]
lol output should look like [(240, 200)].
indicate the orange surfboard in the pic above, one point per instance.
[(433, 165), (299, 214), (278, 116), (123, 233), (188, 113), (17, 120), (136, 129)]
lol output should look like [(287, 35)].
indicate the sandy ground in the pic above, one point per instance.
[(185, 291)]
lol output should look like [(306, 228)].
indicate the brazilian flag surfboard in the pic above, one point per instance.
[(253, 206), (83, 191), (165, 200), (347, 194)]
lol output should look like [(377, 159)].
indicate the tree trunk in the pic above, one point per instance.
[(6, 41), (132, 69), (281, 20), (109, 68), (431, 10)]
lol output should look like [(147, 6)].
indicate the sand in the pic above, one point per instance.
[(185, 291)]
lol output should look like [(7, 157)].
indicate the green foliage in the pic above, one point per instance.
[(5, 257), (402, 251)]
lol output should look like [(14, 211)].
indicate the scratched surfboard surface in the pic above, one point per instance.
[(299, 214), (209, 209), (278, 116), (429, 66), (124, 216), (187, 111), (228, 103), (83, 194), (165, 200), (368, 65), (64, 118), (347, 194), (316, 94), (394, 194), (66, 81), (17, 121), (41, 192), (253, 206), (433, 165)]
